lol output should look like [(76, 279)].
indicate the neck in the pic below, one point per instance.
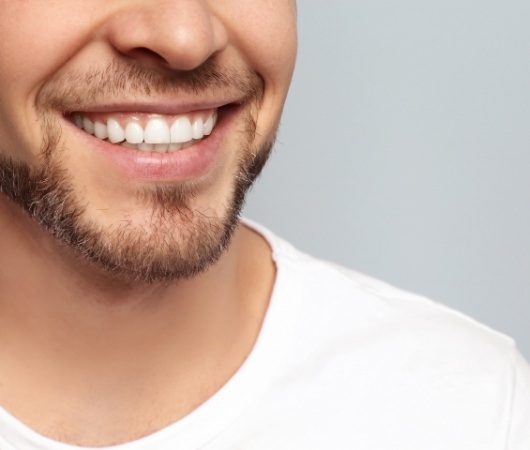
[(105, 349)]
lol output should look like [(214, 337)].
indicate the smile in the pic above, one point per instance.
[(148, 132)]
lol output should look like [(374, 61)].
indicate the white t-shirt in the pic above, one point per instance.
[(347, 362)]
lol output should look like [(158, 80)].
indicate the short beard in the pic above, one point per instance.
[(179, 243)]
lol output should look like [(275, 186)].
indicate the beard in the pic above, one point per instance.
[(179, 241)]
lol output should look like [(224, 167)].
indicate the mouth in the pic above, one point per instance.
[(145, 132), (155, 143)]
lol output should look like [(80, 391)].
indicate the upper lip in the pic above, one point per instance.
[(150, 107)]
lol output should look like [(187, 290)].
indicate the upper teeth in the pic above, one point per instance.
[(157, 133)]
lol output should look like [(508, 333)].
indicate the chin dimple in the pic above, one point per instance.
[(152, 133)]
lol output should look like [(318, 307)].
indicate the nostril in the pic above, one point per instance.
[(146, 55)]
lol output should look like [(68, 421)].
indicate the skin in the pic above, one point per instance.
[(82, 350)]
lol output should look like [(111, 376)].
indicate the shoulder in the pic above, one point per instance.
[(360, 351), (360, 356), (339, 304)]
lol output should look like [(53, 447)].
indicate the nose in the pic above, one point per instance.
[(179, 34)]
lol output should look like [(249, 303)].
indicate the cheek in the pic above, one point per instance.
[(34, 38), (37, 38), (264, 32), (268, 43), (275, 53)]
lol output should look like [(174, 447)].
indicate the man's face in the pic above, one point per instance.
[(131, 129)]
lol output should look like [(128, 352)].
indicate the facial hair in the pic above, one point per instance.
[(183, 241)]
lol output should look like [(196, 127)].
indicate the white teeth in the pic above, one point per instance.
[(88, 125), (100, 130), (146, 147), (181, 130), (174, 147), (187, 144), (208, 126), (78, 120), (134, 133), (116, 133), (158, 136), (157, 132), (161, 148), (198, 128)]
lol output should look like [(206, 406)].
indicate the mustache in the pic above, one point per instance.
[(129, 79)]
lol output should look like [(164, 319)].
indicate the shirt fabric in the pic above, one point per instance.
[(344, 361)]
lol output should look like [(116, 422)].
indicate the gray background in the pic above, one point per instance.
[(404, 150)]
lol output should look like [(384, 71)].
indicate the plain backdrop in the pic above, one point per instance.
[(404, 150)]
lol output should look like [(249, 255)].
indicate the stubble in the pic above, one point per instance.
[(182, 240)]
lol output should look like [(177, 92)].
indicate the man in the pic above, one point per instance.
[(136, 309)]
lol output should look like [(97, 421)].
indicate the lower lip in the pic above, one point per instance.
[(182, 165)]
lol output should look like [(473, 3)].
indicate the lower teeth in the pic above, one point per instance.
[(158, 148)]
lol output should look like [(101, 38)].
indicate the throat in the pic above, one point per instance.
[(132, 369)]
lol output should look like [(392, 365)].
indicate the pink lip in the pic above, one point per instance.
[(183, 165)]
